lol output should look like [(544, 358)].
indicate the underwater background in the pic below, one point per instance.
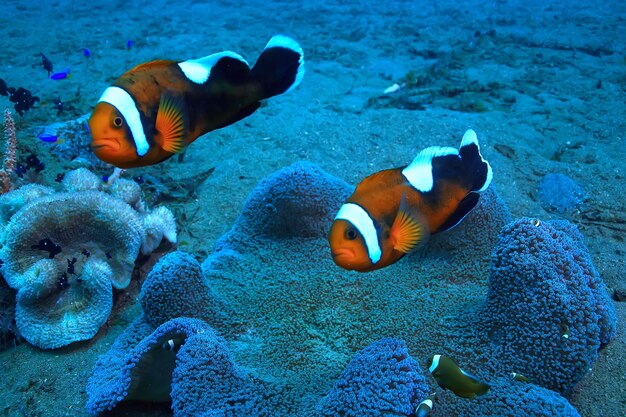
[(261, 320)]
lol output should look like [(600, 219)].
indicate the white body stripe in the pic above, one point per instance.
[(125, 104), (286, 42), (427, 402), (419, 173), (435, 363), (199, 70), (365, 225), (468, 138)]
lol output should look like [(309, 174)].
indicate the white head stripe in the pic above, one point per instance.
[(199, 70), (365, 225), (289, 43), (435, 363), (468, 138), (419, 173), (125, 104)]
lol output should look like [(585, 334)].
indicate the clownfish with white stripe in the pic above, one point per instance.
[(450, 376), (393, 212), (158, 108)]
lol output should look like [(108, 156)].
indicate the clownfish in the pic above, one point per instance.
[(449, 376), (158, 108), (424, 408), (393, 212)]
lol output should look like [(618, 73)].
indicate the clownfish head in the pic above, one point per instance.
[(111, 138), (348, 247)]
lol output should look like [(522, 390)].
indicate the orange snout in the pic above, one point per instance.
[(109, 141), (348, 252)]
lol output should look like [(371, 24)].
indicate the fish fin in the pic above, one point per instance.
[(476, 168), (171, 123), (151, 65), (408, 231), (280, 67), (464, 207)]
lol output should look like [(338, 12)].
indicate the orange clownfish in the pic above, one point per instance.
[(393, 212), (158, 108)]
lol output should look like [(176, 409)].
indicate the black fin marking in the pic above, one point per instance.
[(280, 66), (476, 169), (231, 70), (465, 206)]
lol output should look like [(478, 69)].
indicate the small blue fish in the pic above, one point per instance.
[(130, 43), (86, 52), (47, 137), (60, 75)]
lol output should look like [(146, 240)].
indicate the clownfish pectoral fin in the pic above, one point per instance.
[(171, 123), (408, 231)]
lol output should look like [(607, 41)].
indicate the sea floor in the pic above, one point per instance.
[(542, 83)]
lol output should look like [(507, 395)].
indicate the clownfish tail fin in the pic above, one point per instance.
[(477, 170), (280, 67)]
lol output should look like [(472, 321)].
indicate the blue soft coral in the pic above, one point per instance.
[(381, 379), (124, 371), (548, 309), (174, 288)]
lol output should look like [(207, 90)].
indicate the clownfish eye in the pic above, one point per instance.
[(351, 233), (117, 122)]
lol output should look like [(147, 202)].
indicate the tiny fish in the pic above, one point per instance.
[(157, 109), (518, 377), (46, 63), (49, 246), (60, 75), (425, 407), (86, 52), (449, 376), (393, 212), (48, 137)]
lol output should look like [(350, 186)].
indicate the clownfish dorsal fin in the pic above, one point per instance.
[(171, 123), (409, 231)]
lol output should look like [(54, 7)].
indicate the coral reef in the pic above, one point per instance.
[(299, 200), (506, 397), (140, 363), (549, 308), (290, 316), (558, 192), (182, 359), (73, 142), (381, 379), (64, 252), (174, 288), (206, 381)]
